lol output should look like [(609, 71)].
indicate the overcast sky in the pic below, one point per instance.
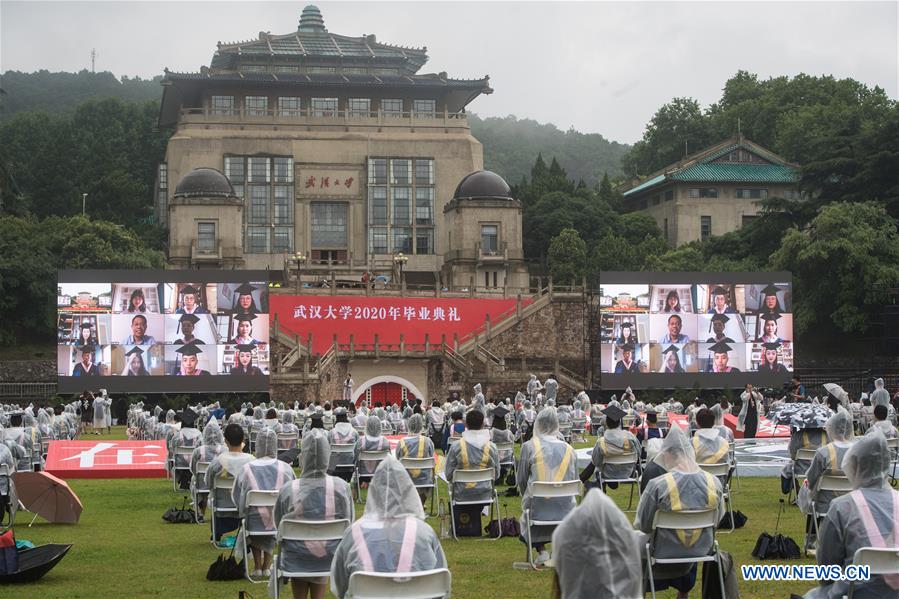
[(601, 67)]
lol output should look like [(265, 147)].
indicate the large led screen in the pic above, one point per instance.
[(162, 331), (712, 330)]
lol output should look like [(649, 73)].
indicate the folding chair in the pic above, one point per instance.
[(185, 453), (893, 446), (360, 429), (881, 560), (287, 441), (252, 438), (427, 584), (628, 421), (838, 484), (722, 471), (565, 430), (429, 463), (633, 459), (256, 499), (508, 449), (578, 427), (595, 423), (368, 456), (684, 520), (343, 449), (304, 530), (45, 447), (477, 475), (545, 490), (198, 488), (806, 455), (300, 422), (220, 503)]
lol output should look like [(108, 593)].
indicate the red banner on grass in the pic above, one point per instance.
[(106, 459), (387, 317)]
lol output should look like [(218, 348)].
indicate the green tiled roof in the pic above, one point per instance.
[(737, 173), (645, 185)]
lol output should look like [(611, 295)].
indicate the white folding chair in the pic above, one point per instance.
[(427, 584), (476, 475), (545, 490), (360, 429), (220, 503), (368, 456), (565, 430), (45, 447), (893, 445), (632, 459), (287, 441), (805, 455), (198, 488), (837, 484), (185, 454), (578, 427), (881, 560), (508, 449), (429, 463), (256, 499), (722, 472), (304, 530), (344, 449), (684, 520)]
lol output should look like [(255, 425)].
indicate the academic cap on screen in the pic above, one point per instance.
[(722, 317), (246, 347), (770, 290), (771, 345), (88, 349), (245, 289), (771, 316), (135, 350), (189, 349), (191, 318), (720, 348), (670, 348), (614, 412), (190, 289), (85, 325), (247, 317), (626, 347)]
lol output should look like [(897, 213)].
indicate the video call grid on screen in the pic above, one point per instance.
[(121, 330), (685, 329)]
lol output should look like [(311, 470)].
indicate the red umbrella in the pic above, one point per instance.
[(47, 496)]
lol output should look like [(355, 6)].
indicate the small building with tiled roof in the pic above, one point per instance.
[(714, 191), (343, 156)]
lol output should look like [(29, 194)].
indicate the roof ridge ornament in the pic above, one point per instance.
[(311, 20)]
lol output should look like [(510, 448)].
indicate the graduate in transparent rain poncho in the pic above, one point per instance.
[(614, 442), (683, 487), (473, 451), (596, 552), (343, 433), (265, 473), (416, 445), (188, 436), (227, 464), (391, 536), (213, 446), (866, 517), (9, 501), (545, 458), (829, 459), (372, 440), (313, 496)]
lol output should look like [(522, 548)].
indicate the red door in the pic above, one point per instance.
[(384, 394)]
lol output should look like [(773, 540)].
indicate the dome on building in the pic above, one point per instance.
[(205, 182), (483, 184), (311, 20)]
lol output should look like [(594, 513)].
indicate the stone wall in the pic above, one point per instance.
[(30, 371)]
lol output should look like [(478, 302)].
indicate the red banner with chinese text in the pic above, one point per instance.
[(387, 317)]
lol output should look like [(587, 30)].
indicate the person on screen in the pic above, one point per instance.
[(769, 329), (245, 302), (189, 361), (672, 302), (188, 322), (671, 361), (627, 335), (721, 358), (86, 367), (769, 301), (627, 363), (719, 302), (134, 363), (769, 359), (189, 301), (244, 330), (674, 335), (86, 335), (137, 303), (718, 322), (244, 366), (138, 334)]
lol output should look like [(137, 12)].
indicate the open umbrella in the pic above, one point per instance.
[(47, 496), (800, 415), (838, 392)]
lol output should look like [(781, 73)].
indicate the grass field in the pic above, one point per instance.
[(122, 548)]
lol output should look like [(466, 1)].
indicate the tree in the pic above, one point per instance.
[(567, 257), (613, 252), (841, 266), (637, 226)]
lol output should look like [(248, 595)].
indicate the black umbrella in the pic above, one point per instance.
[(35, 562), (184, 515), (776, 546), (226, 568)]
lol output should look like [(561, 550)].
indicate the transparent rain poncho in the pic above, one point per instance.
[(597, 552)]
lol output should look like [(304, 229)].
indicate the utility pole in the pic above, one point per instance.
[(83, 202), (93, 60)]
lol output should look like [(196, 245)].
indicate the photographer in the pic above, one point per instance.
[(797, 389)]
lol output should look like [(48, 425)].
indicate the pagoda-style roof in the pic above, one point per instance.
[(753, 164), (313, 44)]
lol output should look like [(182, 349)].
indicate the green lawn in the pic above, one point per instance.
[(122, 548)]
